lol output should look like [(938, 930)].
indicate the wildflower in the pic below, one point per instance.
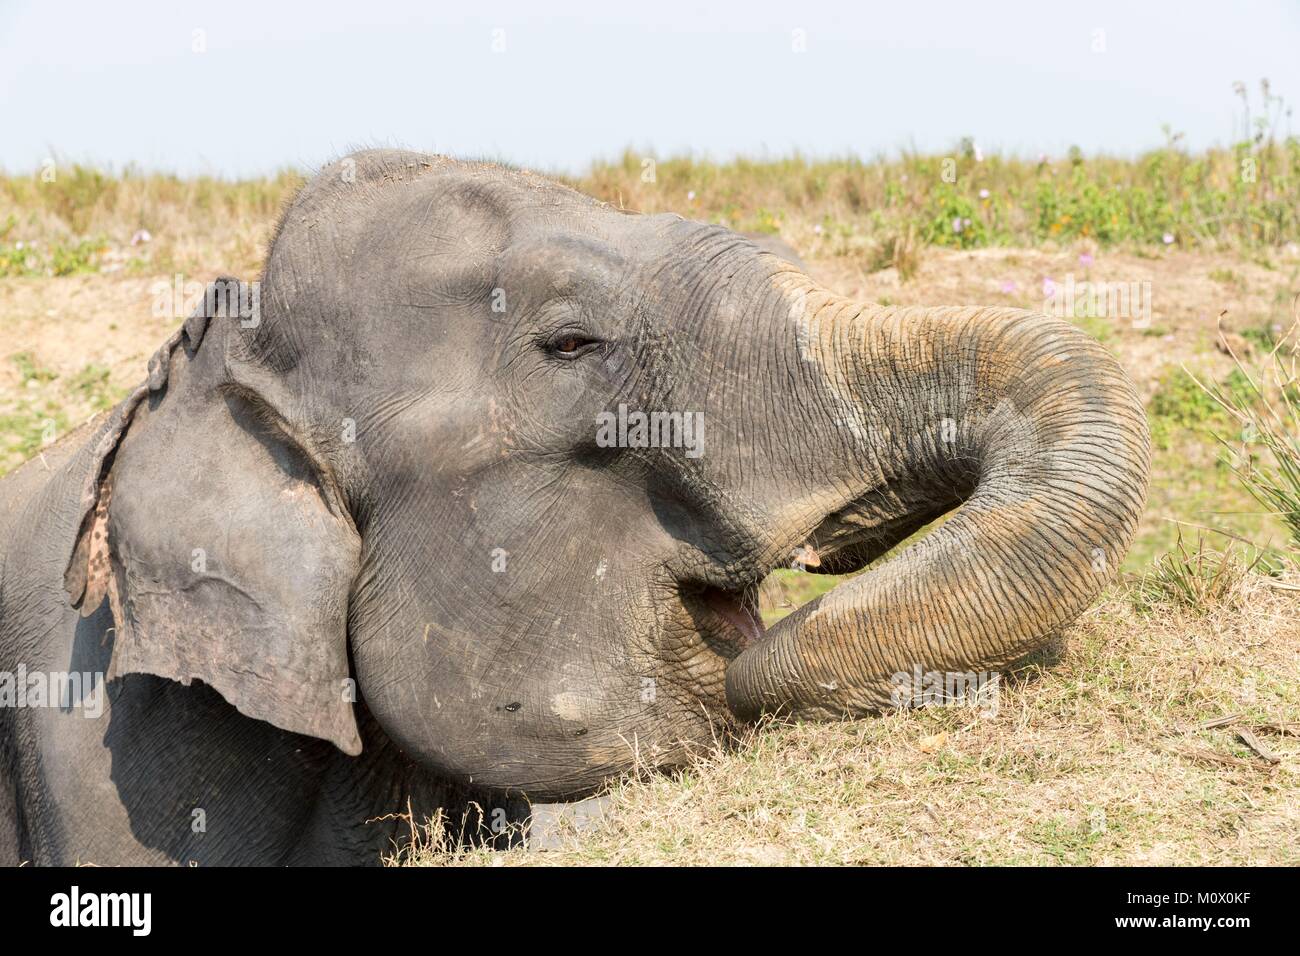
[(1085, 259), (817, 229), (1049, 287), (957, 225), (141, 235), (1008, 286), (690, 196), (1168, 238), (984, 194)]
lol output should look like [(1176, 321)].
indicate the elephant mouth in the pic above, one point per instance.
[(728, 621)]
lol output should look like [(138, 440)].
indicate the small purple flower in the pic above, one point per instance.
[(1008, 286), (1168, 238), (957, 225), (690, 196), (141, 235), (1085, 259), (1049, 287), (984, 194), (817, 229)]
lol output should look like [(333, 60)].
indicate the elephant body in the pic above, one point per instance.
[(371, 549)]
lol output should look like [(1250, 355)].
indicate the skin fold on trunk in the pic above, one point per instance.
[(1021, 419)]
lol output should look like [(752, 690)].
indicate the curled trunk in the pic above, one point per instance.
[(1022, 419)]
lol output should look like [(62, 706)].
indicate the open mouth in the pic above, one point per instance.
[(729, 621)]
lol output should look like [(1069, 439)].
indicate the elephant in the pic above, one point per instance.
[(778, 247), (466, 501)]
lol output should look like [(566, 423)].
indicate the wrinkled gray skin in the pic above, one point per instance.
[(369, 549)]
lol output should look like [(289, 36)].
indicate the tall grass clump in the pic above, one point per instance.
[(1198, 578), (1265, 454)]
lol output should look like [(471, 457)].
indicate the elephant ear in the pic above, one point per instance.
[(224, 551)]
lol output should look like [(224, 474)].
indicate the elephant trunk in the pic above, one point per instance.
[(1021, 419)]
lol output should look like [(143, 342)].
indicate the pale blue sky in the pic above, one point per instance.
[(112, 83)]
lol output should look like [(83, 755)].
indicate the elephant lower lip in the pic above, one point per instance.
[(732, 609)]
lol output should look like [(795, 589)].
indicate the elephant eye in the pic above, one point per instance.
[(568, 345)]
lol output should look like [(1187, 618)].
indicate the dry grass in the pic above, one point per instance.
[(1097, 755), (963, 200), (1199, 578), (1265, 453), (192, 223)]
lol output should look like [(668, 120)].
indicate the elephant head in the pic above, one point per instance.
[(510, 464)]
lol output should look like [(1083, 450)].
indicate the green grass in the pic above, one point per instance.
[(92, 385), (1180, 404), (46, 405), (29, 426), (1263, 447), (58, 259), (1193, 482), (833, 207), (1165, 197), (785, 589), (30, 369), (1198, 578), (84, 219), (1227, 277), (82, 198)]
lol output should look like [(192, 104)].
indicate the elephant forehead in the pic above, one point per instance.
[(567, 262)]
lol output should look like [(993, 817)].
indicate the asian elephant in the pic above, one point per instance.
[(768, 242), (469, 498)]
